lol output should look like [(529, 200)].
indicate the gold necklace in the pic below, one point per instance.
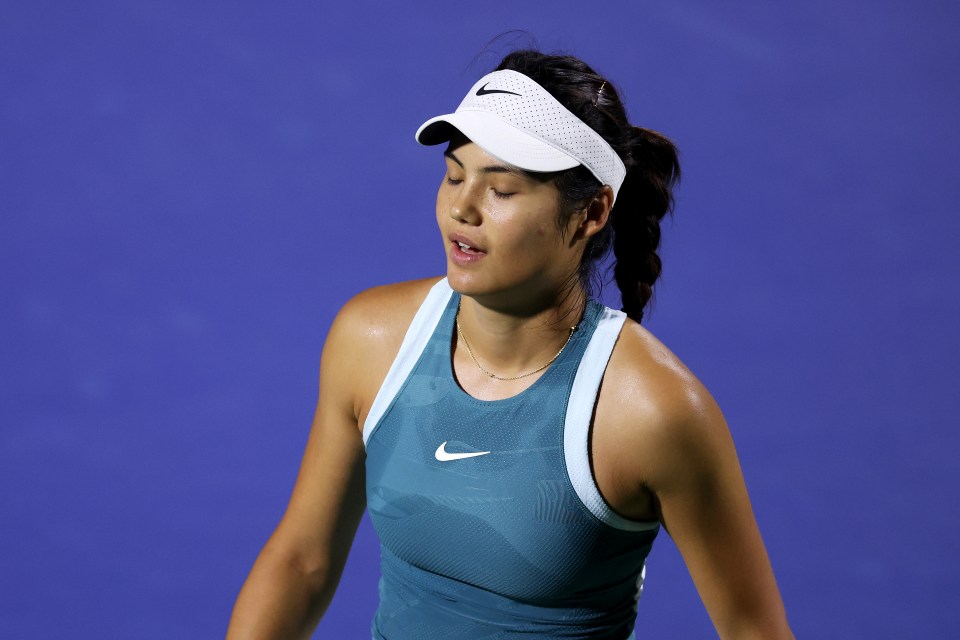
[(522, 375)]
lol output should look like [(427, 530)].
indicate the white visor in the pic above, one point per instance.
[(516, 120)]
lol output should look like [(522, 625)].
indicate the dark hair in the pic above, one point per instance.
[(646, 195)]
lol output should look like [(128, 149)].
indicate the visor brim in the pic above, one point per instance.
[(498, 138)]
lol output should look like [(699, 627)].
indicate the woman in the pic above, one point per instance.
[(518, 446)]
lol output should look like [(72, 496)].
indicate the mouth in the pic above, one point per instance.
[(464, 249)]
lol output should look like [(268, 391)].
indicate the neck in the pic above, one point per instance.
[(513, 341)]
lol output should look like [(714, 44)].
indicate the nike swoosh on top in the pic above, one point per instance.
[(443, 456), (482, 91)]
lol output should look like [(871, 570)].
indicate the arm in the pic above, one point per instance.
[(295, 575), (703, 502), (663, 449)]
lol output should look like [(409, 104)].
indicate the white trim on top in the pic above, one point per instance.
[(414, 341), (576, 428)]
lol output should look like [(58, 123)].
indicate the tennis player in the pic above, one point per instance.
[(518, 445)]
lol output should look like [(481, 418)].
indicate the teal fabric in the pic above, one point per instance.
[(496, 545)]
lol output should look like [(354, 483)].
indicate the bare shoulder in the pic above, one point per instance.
[(366, 336), (647, 376), (381, 315), (654, 409)]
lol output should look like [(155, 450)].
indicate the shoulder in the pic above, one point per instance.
[(366, 335), (647, 375), (656, 411), (380, 315)]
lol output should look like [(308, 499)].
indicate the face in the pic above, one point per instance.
[(499, 226)]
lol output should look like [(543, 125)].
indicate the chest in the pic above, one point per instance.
[(479, 492)]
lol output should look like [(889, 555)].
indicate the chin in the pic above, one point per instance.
[(492, 291), (467, 284), (474, 282)]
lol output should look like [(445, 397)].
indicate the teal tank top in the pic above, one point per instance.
[(490, 523)]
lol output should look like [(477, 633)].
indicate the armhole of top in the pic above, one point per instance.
[(414, 341), (576, 428)]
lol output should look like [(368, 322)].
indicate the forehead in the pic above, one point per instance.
[(471, 156)]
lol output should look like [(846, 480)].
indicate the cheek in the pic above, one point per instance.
[(442, 200), (546, 230), (530, 243)]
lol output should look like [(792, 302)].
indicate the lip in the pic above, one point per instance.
[(461, 257)]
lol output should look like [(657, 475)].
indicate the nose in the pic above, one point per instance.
[(463, 207)]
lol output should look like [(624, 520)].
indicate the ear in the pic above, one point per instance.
[(596, 215)]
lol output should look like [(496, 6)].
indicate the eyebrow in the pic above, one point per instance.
[(493, 168)]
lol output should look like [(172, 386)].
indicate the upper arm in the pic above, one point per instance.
[(705, 508), (329, 496), (683, 455)]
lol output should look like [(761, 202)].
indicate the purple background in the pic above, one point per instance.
[(190, 190)]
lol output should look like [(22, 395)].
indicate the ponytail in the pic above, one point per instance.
[(644, 199)]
